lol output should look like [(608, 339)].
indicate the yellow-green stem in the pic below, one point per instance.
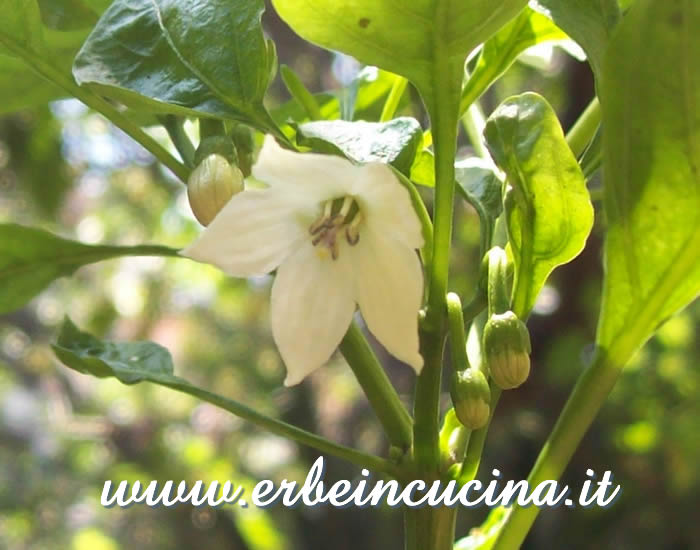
[(589, 394), (394, 98)]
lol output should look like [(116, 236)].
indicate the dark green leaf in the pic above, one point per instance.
[(35, 150), (405, 39), (650, 96), (588, 22), (392, 142), (503, 48), (30, 259), (481, 187), (548, 209), (188, 58), (129, 362), (134, 362)]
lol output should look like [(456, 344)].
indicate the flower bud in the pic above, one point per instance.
[(507, 350), (216, 145), (211, 185), (471, 397)]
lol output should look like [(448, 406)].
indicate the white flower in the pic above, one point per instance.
[(338, 235)]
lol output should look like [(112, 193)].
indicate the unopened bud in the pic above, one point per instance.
[(471, 397), (211, 185), (507, 350), (216, 145)]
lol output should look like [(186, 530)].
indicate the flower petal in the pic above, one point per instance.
[(254, 232), (312, 176), (311, 308), (387, 205), (389, 291)]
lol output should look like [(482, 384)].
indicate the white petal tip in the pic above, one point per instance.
[(290, 381)]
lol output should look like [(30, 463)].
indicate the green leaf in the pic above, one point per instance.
[(423, 168), (129, 362), (71, 14), (21, 30), (21, 23), (650, 97), (300, 93), (20, 88), (503, 48), (394, 142), (189, 58), (134, 362), (548, 209), (406, 39), (481, 187), (588, 22), (30, 259)]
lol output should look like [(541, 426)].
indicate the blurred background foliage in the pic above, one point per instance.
[(65, 169)]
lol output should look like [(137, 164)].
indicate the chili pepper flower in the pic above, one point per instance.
[(340, 235)]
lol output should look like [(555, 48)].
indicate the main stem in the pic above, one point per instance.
[(434, 527), (433, 334)]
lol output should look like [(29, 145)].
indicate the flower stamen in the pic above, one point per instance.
[(347, 218), (352, 231)]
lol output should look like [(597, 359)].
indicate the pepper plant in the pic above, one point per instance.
[(352, 213)]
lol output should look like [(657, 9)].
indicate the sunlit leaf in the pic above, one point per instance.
[(196, 57), (405, 38), (21, 23), (392, 142), (589, 23), (30, 259), (503, 48), (650, 93), (548, 208), (22, 32), (71, 14)]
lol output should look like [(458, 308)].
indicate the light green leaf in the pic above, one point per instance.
[(423, 168), (30, 259), (188, 58), (71, 14), (548, 209), (392, 142), (408, 39), (481, 187), (22, 31), (650, 96), (21, 23), (588, 22), (503, 48), (129, 362), (20, 88)]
